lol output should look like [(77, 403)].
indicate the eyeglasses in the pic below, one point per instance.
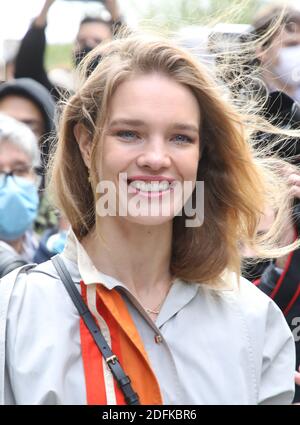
[(29, 173)]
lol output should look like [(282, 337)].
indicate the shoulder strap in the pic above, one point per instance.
[(111, 359)]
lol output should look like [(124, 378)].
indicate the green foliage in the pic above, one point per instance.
[(59, 56)]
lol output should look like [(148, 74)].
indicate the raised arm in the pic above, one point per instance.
[(30, 58), (113, 7)]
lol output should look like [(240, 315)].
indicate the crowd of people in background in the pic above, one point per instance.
[(30, 97), (33, 231)]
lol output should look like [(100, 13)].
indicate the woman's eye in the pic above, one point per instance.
[(182, 139), (127, 135)]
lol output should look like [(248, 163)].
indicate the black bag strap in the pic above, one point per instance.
[(111, 359)]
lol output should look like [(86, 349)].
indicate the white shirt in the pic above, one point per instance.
[(219, 346)]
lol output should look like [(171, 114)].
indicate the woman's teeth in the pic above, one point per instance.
[(150, 186)]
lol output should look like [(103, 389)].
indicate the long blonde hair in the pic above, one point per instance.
[(239, 182)]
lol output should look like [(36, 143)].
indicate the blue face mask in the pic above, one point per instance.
[(19, 203), (56, 242)]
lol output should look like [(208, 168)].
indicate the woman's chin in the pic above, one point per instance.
[(149, 220)]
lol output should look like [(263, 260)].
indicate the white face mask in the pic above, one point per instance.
[(288, 68)]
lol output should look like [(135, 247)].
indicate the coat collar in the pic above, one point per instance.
[(86, 271)]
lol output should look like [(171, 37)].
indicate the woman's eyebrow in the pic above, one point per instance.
[(126, 121), (187, 127), (140, 123)]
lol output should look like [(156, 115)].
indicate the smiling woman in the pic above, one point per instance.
[(149, 120), (154, 150)]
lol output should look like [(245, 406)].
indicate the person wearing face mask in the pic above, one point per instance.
[(29, 102), (92, 31), (279, 53), (19, 200)]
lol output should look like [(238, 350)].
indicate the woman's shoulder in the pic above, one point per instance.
[(32, 274), (30, 283), (243, 306), (33, 285), (253, 301), (260, 314), (245, 297)]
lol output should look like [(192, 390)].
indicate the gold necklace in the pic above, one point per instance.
[(156, 311), (158, 307)]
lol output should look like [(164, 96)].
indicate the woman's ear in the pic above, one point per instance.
[(83, 139)]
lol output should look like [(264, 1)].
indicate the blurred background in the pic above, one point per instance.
[(64, 17)]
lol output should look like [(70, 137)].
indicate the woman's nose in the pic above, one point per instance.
[(155, 155)]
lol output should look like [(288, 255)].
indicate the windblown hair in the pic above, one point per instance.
[(238, 181), (275, 16)]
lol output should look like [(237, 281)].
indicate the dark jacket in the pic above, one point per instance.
[(43, 254), (284, 112), (30, 59), (284, 289)]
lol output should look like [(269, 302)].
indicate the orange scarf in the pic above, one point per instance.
[(112, 316)]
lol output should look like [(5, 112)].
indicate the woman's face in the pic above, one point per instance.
[(151, 144)]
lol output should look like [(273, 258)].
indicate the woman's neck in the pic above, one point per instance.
[(139, 256)]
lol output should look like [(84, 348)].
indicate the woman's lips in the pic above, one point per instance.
[(149, 178), (151, 186)]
